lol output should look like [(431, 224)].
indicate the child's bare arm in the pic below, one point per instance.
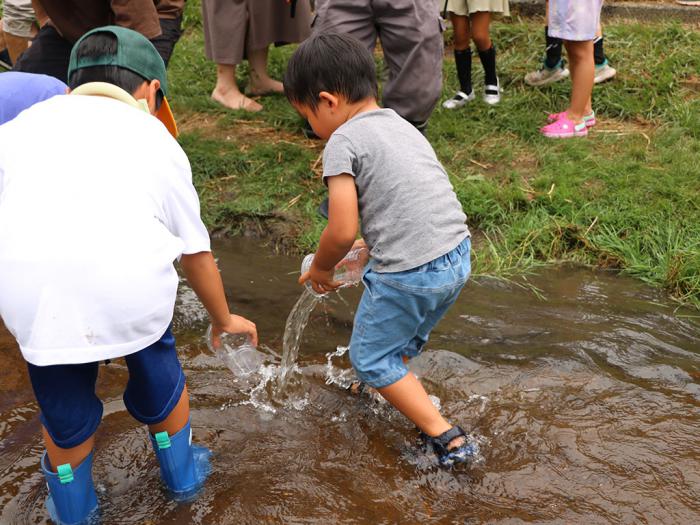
[(204, 278), (338, 237)]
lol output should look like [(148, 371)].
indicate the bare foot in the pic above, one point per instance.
[(264, 86), (235, 100), (456, 443)]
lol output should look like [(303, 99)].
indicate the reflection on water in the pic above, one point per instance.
[(586, 408)]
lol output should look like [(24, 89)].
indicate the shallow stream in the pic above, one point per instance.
[(586, 408)]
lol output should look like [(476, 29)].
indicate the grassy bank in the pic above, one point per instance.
[(628, 197)]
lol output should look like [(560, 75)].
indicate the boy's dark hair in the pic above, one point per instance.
[(331, 62), (101, 44)]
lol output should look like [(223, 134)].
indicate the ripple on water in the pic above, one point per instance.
[(584, 407)]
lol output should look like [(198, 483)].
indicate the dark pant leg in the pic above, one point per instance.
[(411, 35), (70, 410), (49, 54), (156, 381), (348, 17), (171, 32)]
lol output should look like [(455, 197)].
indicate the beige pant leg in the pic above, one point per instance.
[(225, 30)]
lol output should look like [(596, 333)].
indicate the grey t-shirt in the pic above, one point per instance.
[(409, 212)]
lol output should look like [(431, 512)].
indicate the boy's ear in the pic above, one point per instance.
[(328, 99), (152, 90), (147, 91)]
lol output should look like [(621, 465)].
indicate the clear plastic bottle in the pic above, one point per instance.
[(237, 353), (348, 271)]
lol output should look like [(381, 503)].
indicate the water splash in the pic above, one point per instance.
[(341, 377), (296, 322)]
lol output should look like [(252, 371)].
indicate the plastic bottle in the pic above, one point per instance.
[(237, 353), (348, 271)]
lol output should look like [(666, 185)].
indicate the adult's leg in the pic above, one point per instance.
[(225, 27), (260, 81), (171, 31), (49, 54), (227, 93), (411, 36), (348, 17), (18, 26), (582, 73)]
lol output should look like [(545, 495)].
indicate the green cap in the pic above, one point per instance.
[(134, 52)]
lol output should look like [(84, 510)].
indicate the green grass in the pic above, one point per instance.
[(627, 197)]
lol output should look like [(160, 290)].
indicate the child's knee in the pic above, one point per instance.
[(156, 381), (482, 41), (71, 428), (579, 50), (461, 42)]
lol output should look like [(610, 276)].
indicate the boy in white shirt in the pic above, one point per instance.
[(89, 231)]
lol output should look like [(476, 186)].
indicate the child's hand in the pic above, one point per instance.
[(321, 280), (359, 243), (235, 325)]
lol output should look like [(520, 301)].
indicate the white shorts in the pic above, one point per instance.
[(574, 20)]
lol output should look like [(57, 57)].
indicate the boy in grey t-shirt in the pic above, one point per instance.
[(380, 170)]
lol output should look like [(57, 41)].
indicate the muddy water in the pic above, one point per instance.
[(586, 408)]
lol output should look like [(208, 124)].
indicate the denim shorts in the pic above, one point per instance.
[(70, 409), (398, 311)]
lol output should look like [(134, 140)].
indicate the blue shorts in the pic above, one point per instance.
[(70, 410), (398, 311)]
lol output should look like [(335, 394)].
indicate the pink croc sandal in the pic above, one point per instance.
[(588, 119), (564, 128)]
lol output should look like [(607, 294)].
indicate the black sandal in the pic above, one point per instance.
[(448, 457)]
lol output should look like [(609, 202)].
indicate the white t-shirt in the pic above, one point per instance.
[(96, 203)]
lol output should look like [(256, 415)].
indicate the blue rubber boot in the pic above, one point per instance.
[(72, 499), (183, 467)]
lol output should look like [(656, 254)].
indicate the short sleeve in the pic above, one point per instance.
[(339, 157), (181, 209), (20, 91)]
